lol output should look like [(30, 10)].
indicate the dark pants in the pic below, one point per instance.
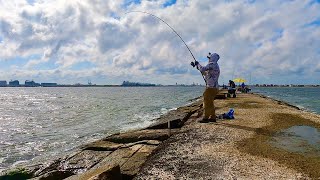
[(232, 91)]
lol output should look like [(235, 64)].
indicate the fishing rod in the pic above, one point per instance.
[(173, 31)]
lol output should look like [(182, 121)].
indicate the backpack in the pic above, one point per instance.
[(228, 115)]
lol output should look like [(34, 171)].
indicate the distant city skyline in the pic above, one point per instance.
[(124, 83), (271, 42), (4, 83)]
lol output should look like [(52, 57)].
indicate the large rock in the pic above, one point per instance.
[(147, 134), (102, 146), (176, 118), (55, 175), (15, 174), (175, 122), (119, 157), (116, 158), (147, 142), (70, 165), (133, 165), (129, 160), (108, 174), (48, 167), (83, 160)]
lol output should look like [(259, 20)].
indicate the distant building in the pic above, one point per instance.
[(3, 83), (28, 83), (14, 83), (127, 83), (49, 84)]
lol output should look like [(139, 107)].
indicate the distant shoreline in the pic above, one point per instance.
[(102, 86), (252, 86), (283, 86)]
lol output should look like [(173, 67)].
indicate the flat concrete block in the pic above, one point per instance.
[(102, 146), (83, 160), (147, 134), (133, 165)]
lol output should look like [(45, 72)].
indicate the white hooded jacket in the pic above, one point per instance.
[(211, 71)]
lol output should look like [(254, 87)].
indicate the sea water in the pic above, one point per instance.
[(43, 123), (298, 139), (306, 98)]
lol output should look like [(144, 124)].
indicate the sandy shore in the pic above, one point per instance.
[(235, 149), (228, 149)]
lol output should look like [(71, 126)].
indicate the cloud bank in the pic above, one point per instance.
[(75, 41)]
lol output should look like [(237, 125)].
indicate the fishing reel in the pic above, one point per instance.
[(193, 64)]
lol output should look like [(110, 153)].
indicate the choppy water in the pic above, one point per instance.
[(41, 123), (304, 97)]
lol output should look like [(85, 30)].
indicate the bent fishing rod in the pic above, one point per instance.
[(173, 31)]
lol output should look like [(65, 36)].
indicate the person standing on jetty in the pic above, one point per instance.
[(211, 73)]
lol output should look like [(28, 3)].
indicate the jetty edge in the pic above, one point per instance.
[(228, 149)]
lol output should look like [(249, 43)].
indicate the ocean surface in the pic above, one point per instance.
[(37, 124), (307, 98)]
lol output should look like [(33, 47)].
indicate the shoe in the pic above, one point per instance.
[(212, 120), (204, 121), (219, 116)]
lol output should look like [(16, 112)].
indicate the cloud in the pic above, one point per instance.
[(109, 37), (256, 38)]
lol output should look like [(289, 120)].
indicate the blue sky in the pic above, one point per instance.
[(74, 41), (165, 4), (169, 3)]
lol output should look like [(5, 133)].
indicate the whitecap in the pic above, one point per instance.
[(2, 159), (135, 126), (140, 121)]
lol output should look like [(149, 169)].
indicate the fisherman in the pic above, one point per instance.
[(232, 89), (211, 74)]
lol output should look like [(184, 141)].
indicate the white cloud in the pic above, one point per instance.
[(259, 38)]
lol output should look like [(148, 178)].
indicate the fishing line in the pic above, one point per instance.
[(172, 30)]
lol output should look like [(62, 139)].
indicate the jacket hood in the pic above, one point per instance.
[(214, 58)]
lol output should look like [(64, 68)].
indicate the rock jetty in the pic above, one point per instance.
[(228, 149)]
